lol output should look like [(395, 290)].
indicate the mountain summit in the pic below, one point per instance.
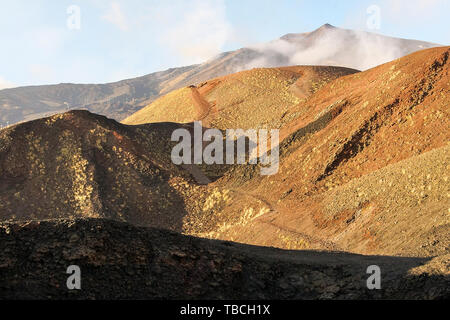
[(327, 45)]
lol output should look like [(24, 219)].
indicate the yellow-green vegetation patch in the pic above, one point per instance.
[(176, 106), (82, 178), (254, 99)]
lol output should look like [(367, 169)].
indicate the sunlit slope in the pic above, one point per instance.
[(250, 99), (363, 161), (401, 209), (364, 167), (183, 109)]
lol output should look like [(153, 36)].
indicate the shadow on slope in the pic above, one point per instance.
[(120, 261), (79, 164)]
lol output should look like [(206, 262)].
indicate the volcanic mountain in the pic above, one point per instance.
[(327, 45), (366, 147), (370, 144), (364, 159), (248, 99)]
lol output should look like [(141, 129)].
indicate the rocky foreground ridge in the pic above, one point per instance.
[(121, 261)]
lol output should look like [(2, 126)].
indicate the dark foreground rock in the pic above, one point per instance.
[(120, 261)]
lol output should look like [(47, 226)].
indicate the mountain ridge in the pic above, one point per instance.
[(363, 133), (120, 99), (362, 181)]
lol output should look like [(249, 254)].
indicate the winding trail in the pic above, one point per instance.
[(266, 219), (204, 112), (203, 108)]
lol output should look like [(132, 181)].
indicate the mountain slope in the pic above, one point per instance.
[(363, 166), (79, 164), (325, 46), (365, 158), (113, 99), (248, 99)]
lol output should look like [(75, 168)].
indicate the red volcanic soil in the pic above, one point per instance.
[(364, 167), (364, 161)]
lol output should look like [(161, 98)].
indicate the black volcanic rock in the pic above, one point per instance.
[(119, 261)]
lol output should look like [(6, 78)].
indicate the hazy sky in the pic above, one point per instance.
[(96, 41)]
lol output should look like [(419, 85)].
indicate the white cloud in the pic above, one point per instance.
[(367, 51), (195, 30), (4, 84), (116, 16), (406, 9), (337, 47)]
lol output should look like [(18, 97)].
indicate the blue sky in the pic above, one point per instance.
[(43, 43)]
